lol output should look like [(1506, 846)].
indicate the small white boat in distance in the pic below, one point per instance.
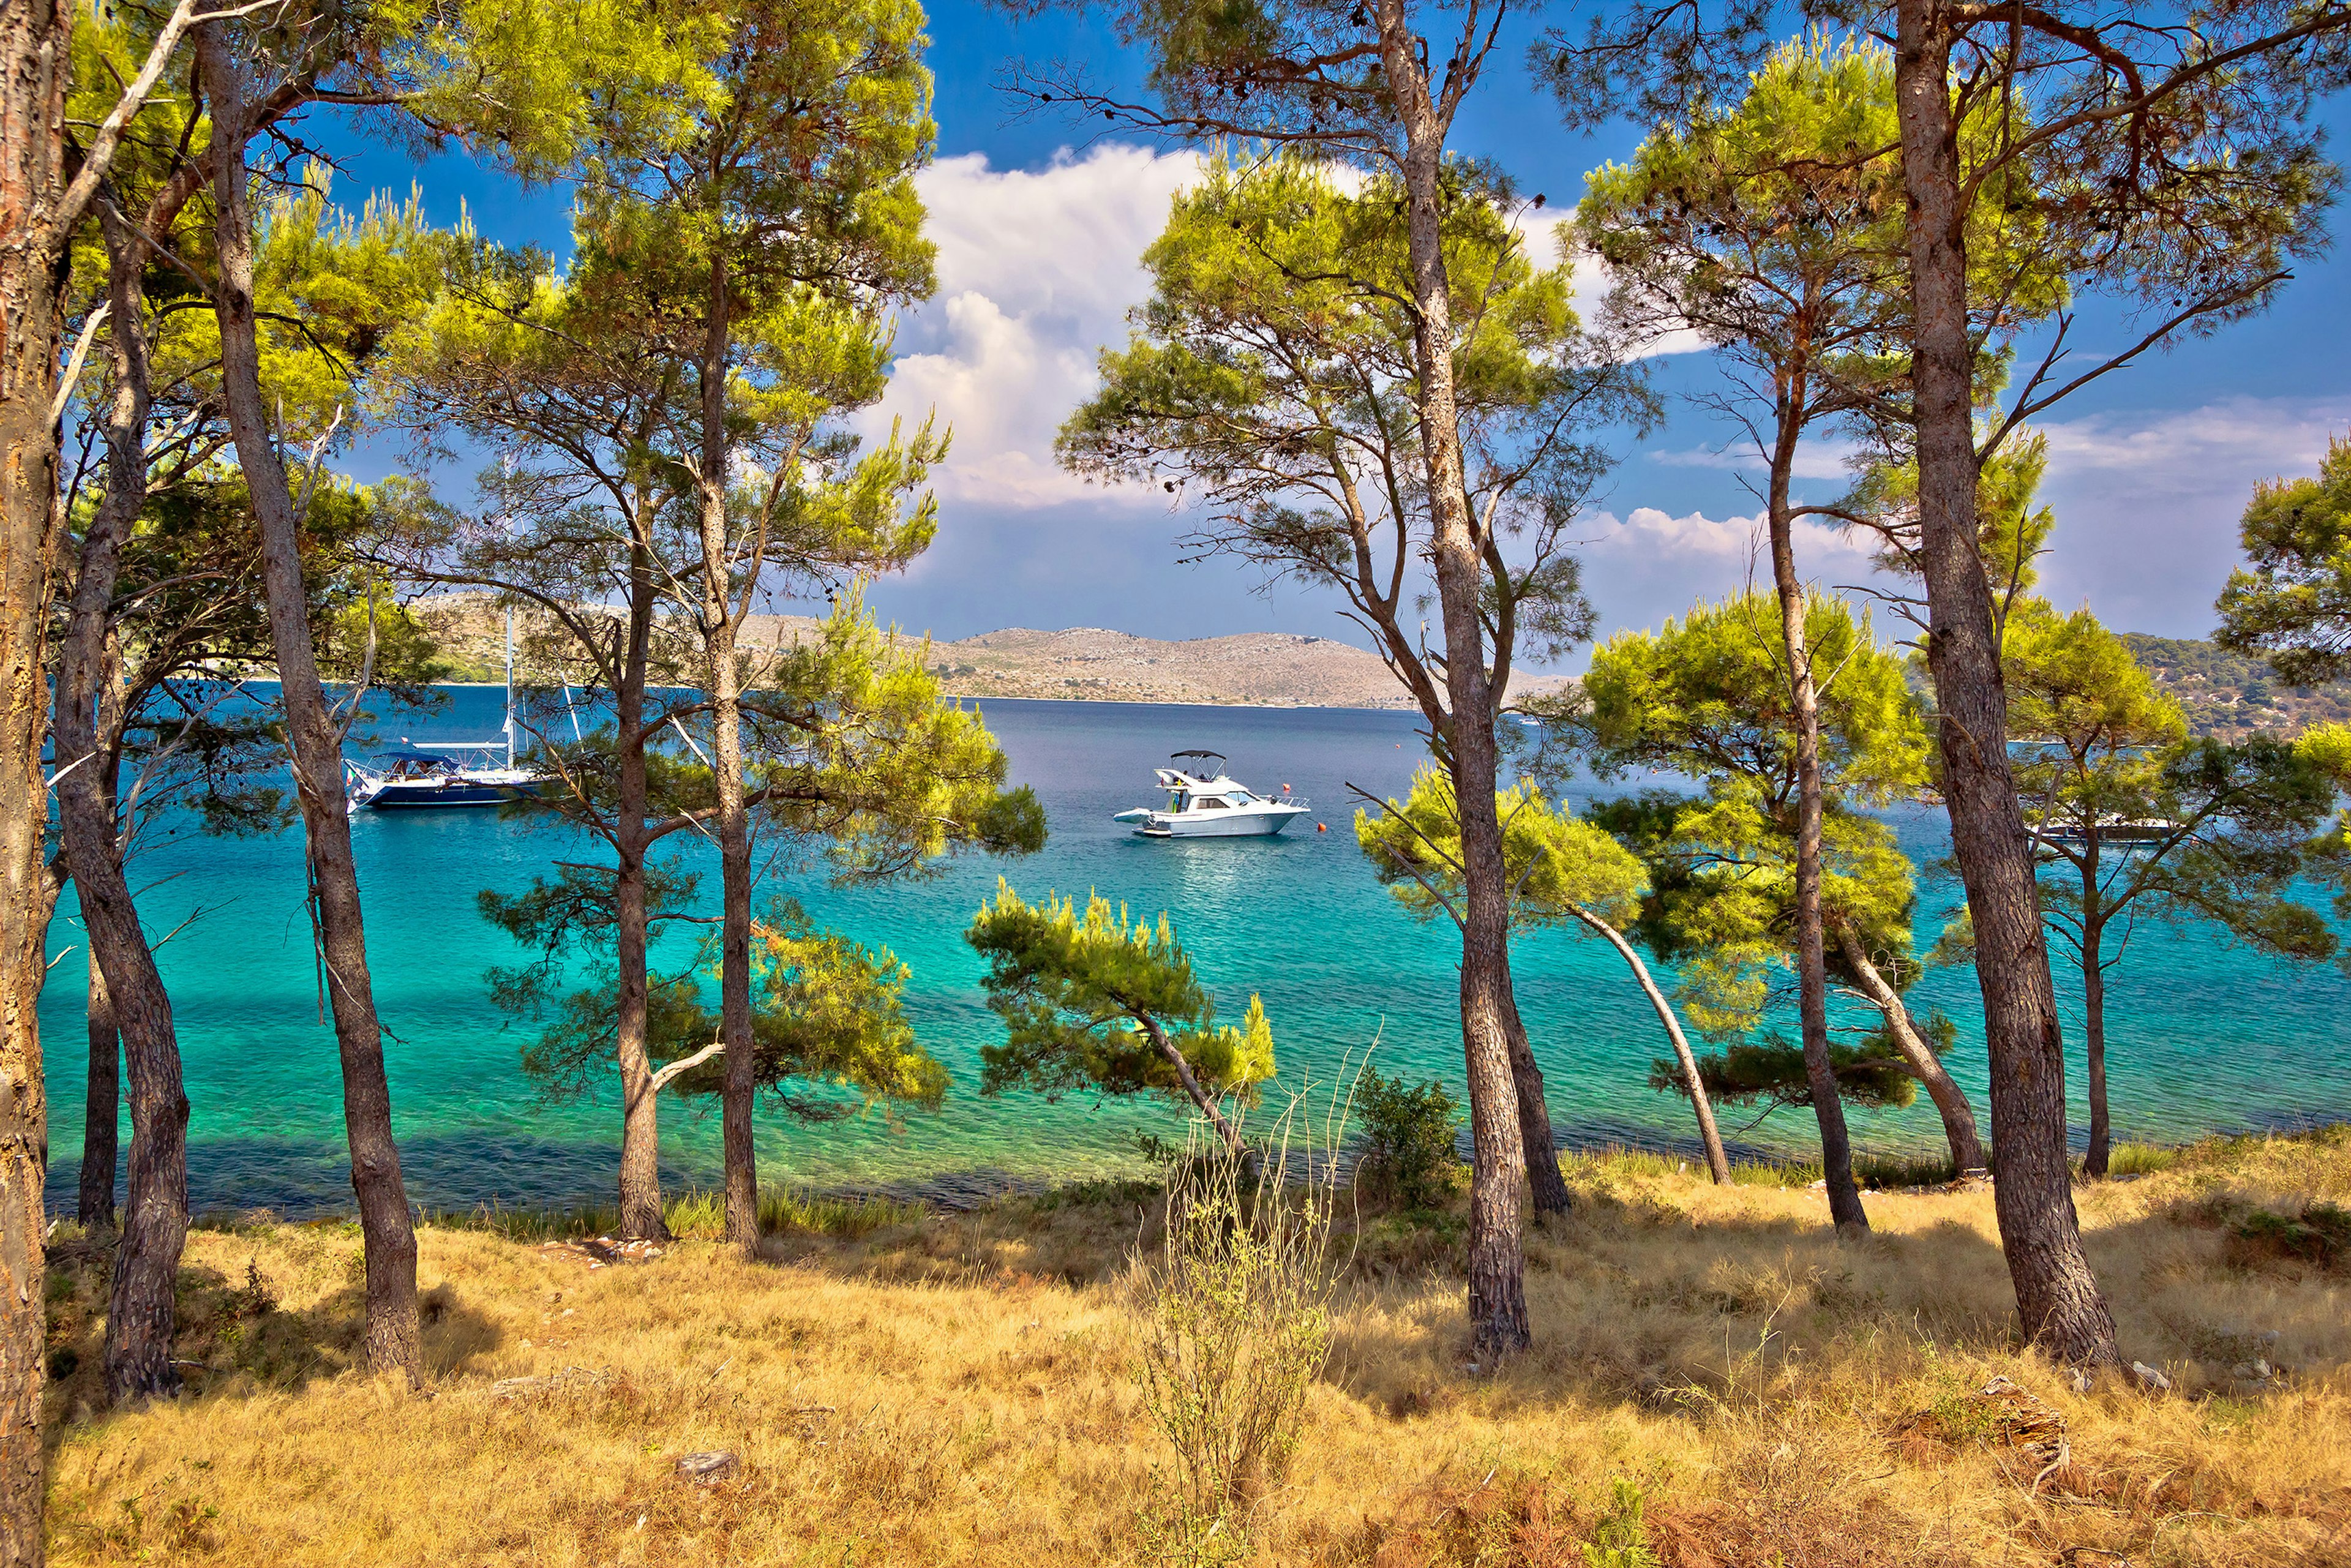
[(1205, 802)]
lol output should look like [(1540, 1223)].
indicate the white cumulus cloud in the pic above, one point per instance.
[(1649, 563), (1037, 271), (2148, 501)]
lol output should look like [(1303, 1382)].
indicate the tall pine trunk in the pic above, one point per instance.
[(393, 1338), (35, 51), (1950, 1103), (641, 1192), (2057, 1294), (155, 1221), (1498, 1298), (102, 1108), (1407, 659), (1812, 965), (726, 762)]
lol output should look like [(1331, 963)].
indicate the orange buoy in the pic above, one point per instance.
[(1321, 826)]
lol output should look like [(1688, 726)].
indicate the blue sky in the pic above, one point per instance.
[(1039, 229)]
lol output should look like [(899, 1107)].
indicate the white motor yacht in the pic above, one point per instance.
[(1205, 802)]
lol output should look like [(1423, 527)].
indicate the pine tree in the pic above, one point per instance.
[(1092, 1000)]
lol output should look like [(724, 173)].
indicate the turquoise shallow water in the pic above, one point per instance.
[(2202, 1036)]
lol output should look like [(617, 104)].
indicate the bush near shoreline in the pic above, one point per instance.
[(1716, 1381)]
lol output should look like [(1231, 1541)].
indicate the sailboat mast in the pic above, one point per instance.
[(510, 725)]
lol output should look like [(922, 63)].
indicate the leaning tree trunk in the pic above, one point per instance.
[(1545, 1180), (1498, 1297), (2057, 1294), (1718, 1162), (1812, 967), (36, 45), (1228, 1132), (139, 1313), (741, 1081), (1959, 1116), (102, 1109), (102, 1072), (393, 1338), (641, 1192)]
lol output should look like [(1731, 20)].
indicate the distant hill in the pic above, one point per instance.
[(1269, 669), (2229, 696), (1085, 664)]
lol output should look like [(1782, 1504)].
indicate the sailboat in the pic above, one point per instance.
[(433, 773)]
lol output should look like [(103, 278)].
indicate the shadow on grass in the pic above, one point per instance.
[(230, 1334)]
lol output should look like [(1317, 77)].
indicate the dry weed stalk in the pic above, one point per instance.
[(1234, 1325)]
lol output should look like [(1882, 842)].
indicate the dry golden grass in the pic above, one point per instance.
[(960, 1389)]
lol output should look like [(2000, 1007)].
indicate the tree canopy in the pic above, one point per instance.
[(2294, 604), (1092, 1000)]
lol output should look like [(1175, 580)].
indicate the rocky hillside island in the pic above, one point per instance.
[(1085, 664)]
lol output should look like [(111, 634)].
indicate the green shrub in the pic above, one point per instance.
[(1408, 1135), (1620, 1540), (2319, 1236), (2140, 1159)]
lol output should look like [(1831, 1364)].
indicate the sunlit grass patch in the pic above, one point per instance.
[(1715, 1379)]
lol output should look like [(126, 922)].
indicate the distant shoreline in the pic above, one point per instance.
[(1075, 701)]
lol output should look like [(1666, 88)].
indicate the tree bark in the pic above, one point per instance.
[(1718, 1162), (1959, 1116), (1228, 1133), (156, 1223), (727, 762), (1498, 1302), (393, 1338), (2094, 1041), (641, 1192), (1535, 1136), (1545, 1180), (2057, 1294), (35, 54), (1811, 969), (102, 1109)]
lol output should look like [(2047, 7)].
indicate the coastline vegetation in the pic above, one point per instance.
[(1361, 372)]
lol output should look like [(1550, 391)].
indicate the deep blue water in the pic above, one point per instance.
[(2202, 1036)]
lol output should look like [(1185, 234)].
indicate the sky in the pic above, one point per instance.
[(1040, 224)]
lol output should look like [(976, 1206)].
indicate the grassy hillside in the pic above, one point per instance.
[(1716, 1381)]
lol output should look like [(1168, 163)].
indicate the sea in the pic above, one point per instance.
[(2203, 1035)]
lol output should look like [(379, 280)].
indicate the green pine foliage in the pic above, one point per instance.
[(826, 1011), (1705, 697), (1093, 1000), (2294, 605), (1556, 862)]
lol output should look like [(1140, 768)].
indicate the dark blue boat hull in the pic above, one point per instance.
[(407, 796)]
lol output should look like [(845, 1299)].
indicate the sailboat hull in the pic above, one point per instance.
[(403, 795)]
